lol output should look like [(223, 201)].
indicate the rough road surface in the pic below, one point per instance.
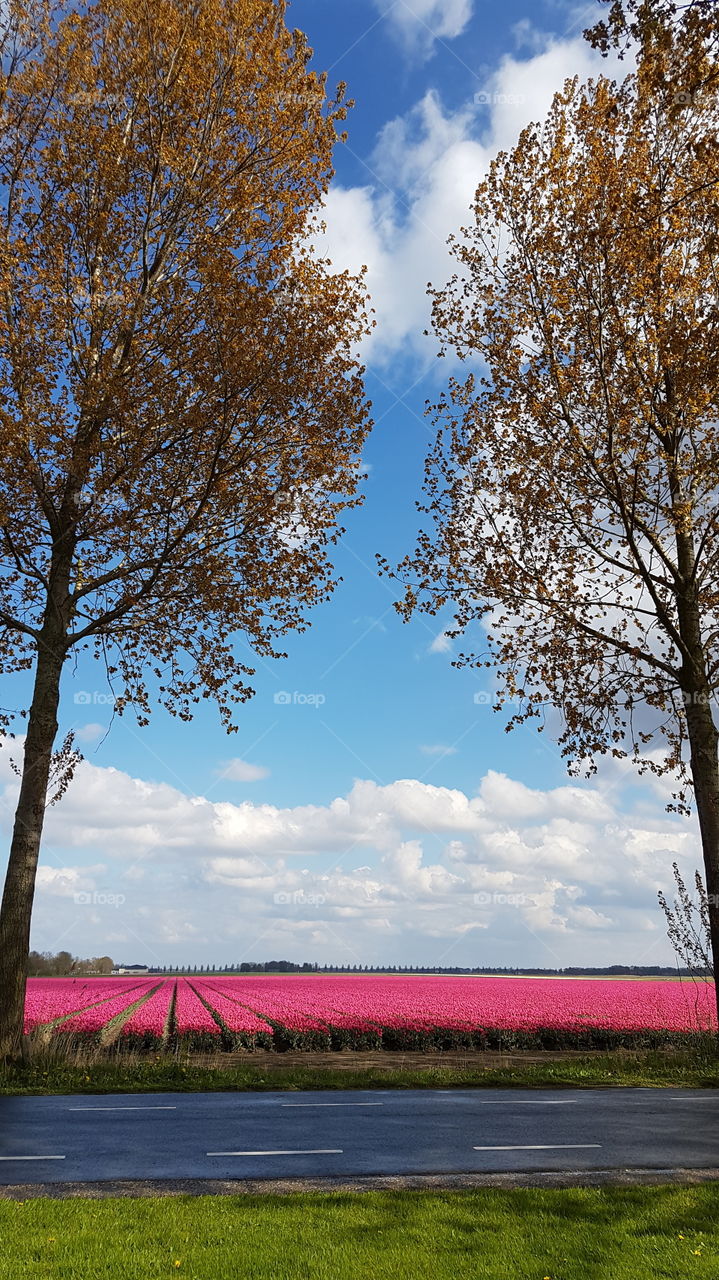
[(236, 1140)]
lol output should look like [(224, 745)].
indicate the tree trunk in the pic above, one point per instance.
[(704, 759), (16, 909), (703, 736)]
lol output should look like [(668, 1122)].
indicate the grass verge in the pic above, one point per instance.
[(524, 1234), (128, 1074)]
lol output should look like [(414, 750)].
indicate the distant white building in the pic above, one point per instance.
[(130, 968)]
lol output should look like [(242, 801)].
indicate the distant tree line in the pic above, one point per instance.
[(46, 964), (288, 966)]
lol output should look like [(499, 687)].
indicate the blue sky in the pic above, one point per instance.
[(371, 807)]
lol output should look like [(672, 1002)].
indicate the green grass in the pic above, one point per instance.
[(142, 1074), (579, 1234)]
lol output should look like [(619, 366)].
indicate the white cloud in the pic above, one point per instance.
[(89, 732), (438, 749), (419, 24), (588, 918), (243, 771), (398, 226), (442, 643), (527, 36), (521, 90), (514, 800), (425, 170), (552, 877), (65, 882)]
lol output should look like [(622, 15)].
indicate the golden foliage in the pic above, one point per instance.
[(181, 407), (574, 480)]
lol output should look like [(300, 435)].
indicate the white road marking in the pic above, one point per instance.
[(530, 1102), (32, 1157), (331, 1104), (122, 1108), (562, 1146), (658, 1102), (317, 1151)]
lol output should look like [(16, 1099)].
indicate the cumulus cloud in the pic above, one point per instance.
[(243, 771), (401, 872), (419, 24), (422, 178), (67, 882), (89, 732)]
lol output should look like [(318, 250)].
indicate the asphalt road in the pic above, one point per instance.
[(109, 1137)]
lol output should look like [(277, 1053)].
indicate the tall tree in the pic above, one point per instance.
[(574, 481), (181, 407), (64, 963)]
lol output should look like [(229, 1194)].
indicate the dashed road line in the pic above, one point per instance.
[(317, 1151), (32, 1157)]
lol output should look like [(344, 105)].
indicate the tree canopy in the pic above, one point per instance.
[(562, 485), (180, 408)]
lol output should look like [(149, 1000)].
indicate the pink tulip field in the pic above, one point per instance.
[(51, 999), (325, 1012)]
